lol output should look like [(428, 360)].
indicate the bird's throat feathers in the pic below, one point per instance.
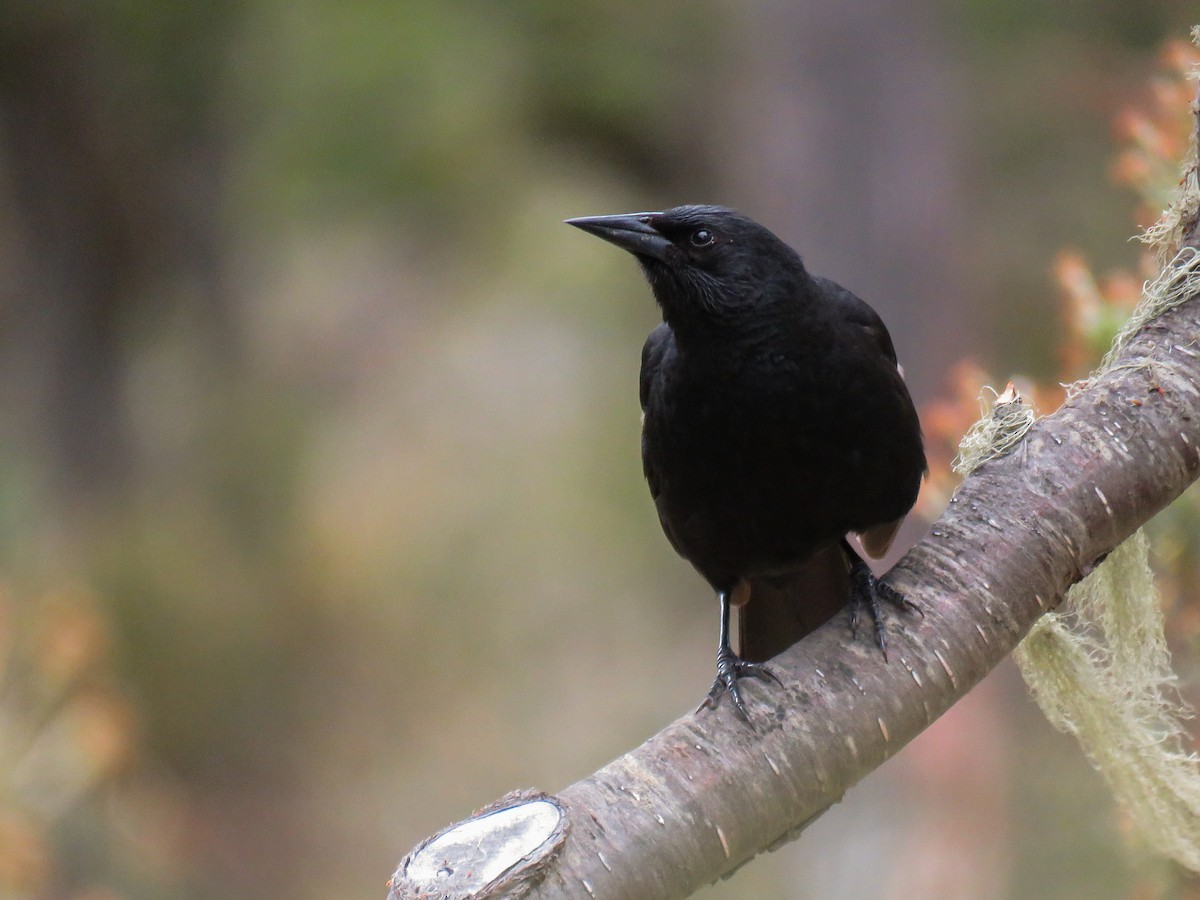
[(688, 295), (706, 305)]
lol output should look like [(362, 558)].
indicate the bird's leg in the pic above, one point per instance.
[(869, 593), (731, 667)]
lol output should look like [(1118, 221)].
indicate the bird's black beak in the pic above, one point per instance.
[(629, 231)]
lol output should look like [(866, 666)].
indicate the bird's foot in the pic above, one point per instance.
[(870, 594), (731, 667)]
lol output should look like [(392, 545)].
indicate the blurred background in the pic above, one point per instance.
[(321, 514)]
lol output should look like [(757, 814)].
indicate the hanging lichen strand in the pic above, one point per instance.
[(1100, 670)]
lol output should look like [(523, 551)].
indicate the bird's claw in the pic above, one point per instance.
[(731, 667), (869, 593)]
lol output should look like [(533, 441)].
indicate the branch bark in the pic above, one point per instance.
[(707, 794)]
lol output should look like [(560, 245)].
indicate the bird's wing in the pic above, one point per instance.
[(878, 538), (657, 348)]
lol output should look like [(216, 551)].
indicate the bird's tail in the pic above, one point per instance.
[(783, 610)]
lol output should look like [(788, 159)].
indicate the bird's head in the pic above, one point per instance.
[(706, 264)]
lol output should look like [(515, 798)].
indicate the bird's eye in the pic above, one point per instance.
[(701, 237)]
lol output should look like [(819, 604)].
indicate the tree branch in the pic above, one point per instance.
[(707, 793)]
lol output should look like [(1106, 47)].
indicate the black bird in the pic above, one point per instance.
[(775, 423)]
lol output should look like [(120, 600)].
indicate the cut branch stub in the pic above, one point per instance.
[(501, 851)]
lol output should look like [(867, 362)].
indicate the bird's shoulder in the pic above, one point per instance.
[(854, 312)]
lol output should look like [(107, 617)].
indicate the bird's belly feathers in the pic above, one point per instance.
[(753, 476)]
